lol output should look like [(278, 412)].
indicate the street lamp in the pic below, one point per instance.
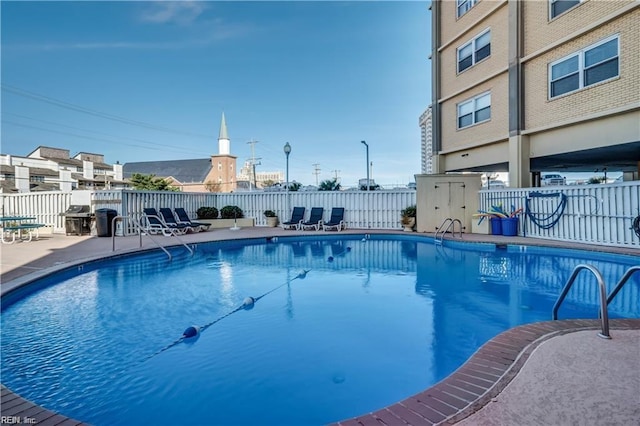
[(287, 151), (367, 146)]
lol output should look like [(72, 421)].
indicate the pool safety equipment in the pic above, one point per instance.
[(331, 258), (193, 332)]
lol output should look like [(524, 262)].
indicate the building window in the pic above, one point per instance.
[(474, 111), (464, 6), (474, 51), (219, 166), (558, 7), (596, 63)]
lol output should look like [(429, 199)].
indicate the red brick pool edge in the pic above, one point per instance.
[(481, 378)]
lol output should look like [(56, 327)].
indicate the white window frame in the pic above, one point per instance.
[(581, 67), (551, 3), (474, 50), (474, 102), (459, 3)]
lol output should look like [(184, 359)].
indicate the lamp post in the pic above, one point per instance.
[(287, 151), (367, 146)]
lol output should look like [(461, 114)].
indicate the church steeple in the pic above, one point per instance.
[(223, 139)]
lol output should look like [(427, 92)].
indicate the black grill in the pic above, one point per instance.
[(77, 220)]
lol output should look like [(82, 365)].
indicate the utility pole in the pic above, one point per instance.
[(253, 163), (316, 171), (335, 174)]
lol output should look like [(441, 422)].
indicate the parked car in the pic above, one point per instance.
[(495, 184), (553, 180)]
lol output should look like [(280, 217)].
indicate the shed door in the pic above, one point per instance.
[(449, 202)]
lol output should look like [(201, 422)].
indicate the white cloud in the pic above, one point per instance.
[(180, 12)]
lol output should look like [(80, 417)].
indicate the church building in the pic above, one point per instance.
[(214, 174)]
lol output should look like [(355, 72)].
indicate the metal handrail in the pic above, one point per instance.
[(622, 281), (452, 223), (172, 232), (604, 313), (138, 226), (113, 230)]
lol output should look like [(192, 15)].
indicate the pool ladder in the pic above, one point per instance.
[(139, 228), (450, 225), (604, 299)]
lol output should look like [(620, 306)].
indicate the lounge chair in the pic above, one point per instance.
[(152, 223), (297, 216), (183, 217), (337, 220), (170, 220), (315, 219)]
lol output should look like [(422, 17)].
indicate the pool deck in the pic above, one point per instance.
[(553, 372)]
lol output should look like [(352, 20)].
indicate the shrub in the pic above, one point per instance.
[(231, 212), (269, 213), (207, 213), (409, 211)]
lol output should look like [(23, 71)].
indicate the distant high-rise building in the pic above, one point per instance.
[(426, 142)]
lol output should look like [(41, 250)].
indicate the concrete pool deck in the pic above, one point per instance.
[(555, 372)]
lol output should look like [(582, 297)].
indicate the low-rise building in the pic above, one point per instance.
[(53, 169)]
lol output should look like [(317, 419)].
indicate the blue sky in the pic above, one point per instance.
[(142, 81)]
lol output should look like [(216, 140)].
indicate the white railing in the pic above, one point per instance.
[(594, 214)]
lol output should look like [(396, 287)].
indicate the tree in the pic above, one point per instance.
[(294, 186), (150, 183), (213, 186), (268, 183), (329, 185)]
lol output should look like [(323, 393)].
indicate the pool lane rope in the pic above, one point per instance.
[(193, 332), (342, 253)]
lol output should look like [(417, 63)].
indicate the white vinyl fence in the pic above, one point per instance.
[(366, 210), (44, 206), (595, 214)]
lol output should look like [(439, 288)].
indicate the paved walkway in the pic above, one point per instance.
[(555, 373)]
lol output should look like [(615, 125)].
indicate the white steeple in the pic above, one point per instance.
[(224, 144)]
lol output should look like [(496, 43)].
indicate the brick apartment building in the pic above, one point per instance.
[(533, 86)]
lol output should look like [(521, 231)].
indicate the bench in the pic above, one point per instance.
[(14, 230)]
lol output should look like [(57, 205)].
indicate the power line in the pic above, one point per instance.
[(153, 145), (85, 136), (95, 113)]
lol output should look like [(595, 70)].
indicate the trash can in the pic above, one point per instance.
[(104, 219), (510, 226), (496, 226)]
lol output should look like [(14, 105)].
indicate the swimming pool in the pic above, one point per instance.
[(371, 323)]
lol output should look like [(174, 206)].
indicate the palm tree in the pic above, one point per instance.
[(329, 185)]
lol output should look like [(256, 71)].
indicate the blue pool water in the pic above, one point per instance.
[(372, 322)]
